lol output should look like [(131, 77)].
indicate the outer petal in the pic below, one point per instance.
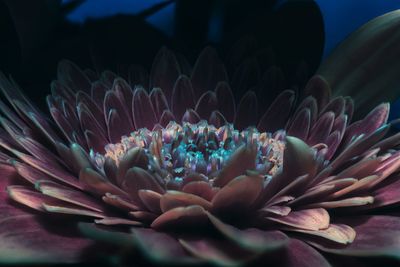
[(375, 236)]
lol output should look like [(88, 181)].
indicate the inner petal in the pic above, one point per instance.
[(179, 150)]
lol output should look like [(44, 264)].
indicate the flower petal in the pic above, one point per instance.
[(25, 239), (207, 72), (226, 101), (136, 179), (164, 72), (246, 114), (173, 199), (142, 110), (182, 96), (309, 219), (180, 217), (238, 194), (278, 112), (299, 254), (160, 247), (375, 236), (244, 158), (251, 239)]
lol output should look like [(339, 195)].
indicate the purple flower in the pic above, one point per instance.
[(194, 177)]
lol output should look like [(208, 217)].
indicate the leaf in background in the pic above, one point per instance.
[(365, 65)]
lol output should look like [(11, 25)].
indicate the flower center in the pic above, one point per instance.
[(202, 148)]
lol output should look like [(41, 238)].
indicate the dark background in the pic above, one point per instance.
[(111, 34)]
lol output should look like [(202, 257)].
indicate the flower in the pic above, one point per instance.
[(194, 178)]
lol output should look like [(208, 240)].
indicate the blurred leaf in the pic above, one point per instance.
[(366, 65)]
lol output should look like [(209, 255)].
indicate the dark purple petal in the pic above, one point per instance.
[(166, 118), (322, 128), (238, 195), (207, 72), (336, 105), (243, 159), (301, 124), (299, 254), (151, 200), (278, 112), (25, 240), (164, 72), (375, 236), (252, 239), (73, 76), (226, 101), (97, 184), (218, 252), (165, 249), (298, 160), (217, 119), (191, 116), (137, 179), (98, 92), (123, 91), (182, 96), (200, 188), (181, 217), (159, 101), (142, 110), (319, 88), (375, 118), (247, 75), (66, 194), (174, 199), (246, 114), (134, 157), (206, 104)]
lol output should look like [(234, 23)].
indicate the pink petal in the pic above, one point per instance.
[(239, 194), (243, 159), (298, 160), (174, 199), (310, 219), (136, 179), (200, 188), (151, 200), (180, 217), (97, 184), (134, 157), (375, 236), (66, 194)]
